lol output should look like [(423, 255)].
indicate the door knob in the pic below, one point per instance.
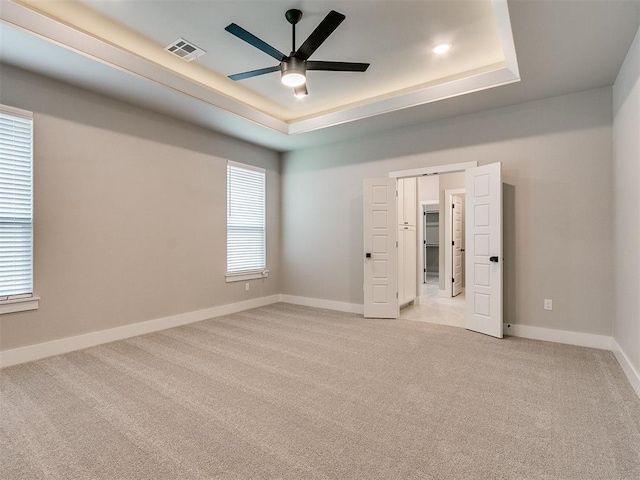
[(493, 259)]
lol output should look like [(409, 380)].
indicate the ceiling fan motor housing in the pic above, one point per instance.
[(293, 65)]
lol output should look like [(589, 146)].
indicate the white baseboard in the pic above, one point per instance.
[(64, 345), (319, 303), (602, 342), (70, 344), (627, 367), (580, 339)]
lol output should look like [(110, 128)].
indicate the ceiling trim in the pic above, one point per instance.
[(101, 51), (501, 12), (480, 81)]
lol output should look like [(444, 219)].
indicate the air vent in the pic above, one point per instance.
[(185, 50)]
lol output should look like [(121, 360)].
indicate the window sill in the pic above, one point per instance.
[(241, 277), (19, 305)]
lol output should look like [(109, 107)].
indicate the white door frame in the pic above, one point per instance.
[(437, 170), (447, 238)]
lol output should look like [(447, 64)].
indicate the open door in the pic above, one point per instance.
[(380, 248), (484, 249), (456, 244)]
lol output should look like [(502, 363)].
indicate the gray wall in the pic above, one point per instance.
[(129, 213), (130, 221), (626, 143), (557, 167)]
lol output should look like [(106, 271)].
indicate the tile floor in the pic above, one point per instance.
[(435, 309)]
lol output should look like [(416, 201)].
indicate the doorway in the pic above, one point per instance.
[(441, 231), (484, 257), (441, 259)]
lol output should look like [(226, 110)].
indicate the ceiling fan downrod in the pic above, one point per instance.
[(293, 16)]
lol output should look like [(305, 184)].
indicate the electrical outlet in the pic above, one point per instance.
[(548, 304), (247, 286)]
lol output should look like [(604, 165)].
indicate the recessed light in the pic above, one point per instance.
[(441, 48)]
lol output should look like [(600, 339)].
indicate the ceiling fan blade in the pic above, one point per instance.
[(251, 39), (319, 35), (301, 91), (337, 66), (254, 73)]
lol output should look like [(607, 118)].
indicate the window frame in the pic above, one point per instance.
[(254, 273), (24, 301)]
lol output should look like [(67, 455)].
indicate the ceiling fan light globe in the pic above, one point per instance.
[(293, 79)]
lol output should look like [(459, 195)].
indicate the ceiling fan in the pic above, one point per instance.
[(293, 67)]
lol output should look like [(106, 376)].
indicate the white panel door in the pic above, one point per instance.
[(410, 200), (456, 244), (484, 249), (407, 264), (380, 248)]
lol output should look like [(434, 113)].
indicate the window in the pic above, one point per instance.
[(16, 209), (246, 232)]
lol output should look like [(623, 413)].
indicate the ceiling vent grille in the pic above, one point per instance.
[(185, 50)]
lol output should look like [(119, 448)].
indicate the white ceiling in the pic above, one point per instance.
[(398, 47), (562, 46)]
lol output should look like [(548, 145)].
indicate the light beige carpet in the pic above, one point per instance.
[(293, 392)]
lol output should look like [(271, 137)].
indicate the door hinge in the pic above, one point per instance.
[(396, 294), (396, 244), (425, 270), (453, 205), (453, 280), (453, 243), (396, 193)]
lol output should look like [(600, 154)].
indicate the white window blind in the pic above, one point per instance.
[(246, 244), (16, 203)]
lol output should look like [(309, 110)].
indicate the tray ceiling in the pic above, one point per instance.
[(562, 47), (394, 37)]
